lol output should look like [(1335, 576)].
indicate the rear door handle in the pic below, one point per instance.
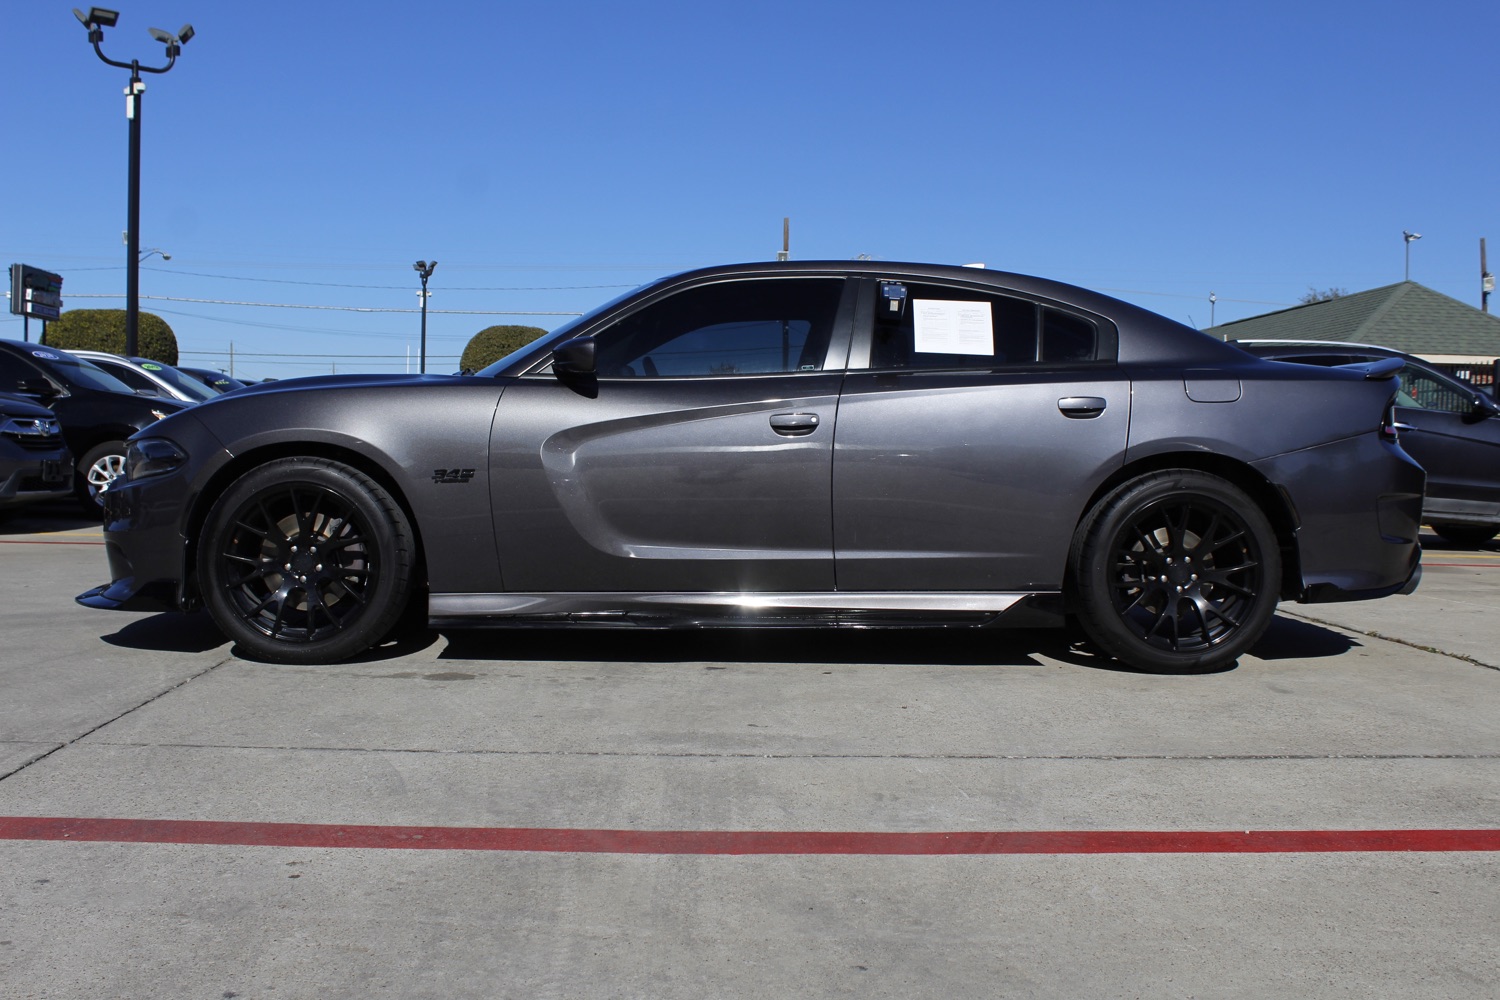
[(1081, 407), (794, 424)]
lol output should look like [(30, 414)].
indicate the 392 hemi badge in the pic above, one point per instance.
[(452, 475)]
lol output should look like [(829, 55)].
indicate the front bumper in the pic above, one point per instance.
[(146, 549)]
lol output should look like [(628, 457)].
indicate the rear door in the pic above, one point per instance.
[(971, 439)]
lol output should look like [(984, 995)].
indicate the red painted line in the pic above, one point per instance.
[(441, 838)]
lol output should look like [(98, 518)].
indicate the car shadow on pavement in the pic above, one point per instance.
[(170, 632), (175, 632), (1295, 639), (957, 647)]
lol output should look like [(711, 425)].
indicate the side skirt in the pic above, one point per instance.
[(733, 610)]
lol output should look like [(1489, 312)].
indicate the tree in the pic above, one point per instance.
[(495, 342), (104, 330), (1313, 295)]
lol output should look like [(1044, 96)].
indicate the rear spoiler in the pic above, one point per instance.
[(1377, 371)]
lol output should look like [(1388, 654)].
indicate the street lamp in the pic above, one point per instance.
[(424, 271), (96, 20), (1409, 237), (146, 254)]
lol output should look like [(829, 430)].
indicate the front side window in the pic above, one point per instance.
[(752, 327), (936, 326), (1420, 389)]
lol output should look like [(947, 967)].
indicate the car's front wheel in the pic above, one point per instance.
[(103, 464), (1175, 571), (306, 560)]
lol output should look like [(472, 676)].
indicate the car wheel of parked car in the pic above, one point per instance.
[(1176, 571), (101, 466), (306, 560), (1469, 536)]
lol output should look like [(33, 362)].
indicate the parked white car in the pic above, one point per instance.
[(150, 378)]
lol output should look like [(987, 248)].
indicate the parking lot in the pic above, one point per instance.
[(621, 814)]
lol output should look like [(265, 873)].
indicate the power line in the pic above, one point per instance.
[(357, 309), (387, 288)]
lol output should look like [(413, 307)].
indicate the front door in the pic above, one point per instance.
[(698, 460)]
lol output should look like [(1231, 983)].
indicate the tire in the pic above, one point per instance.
[(306, 560), (1467, 536), (103, 464), (1175, 572)]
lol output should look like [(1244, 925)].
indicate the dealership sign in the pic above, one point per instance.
[(34, 292)]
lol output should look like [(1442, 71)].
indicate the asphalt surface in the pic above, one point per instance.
[(745, 815)]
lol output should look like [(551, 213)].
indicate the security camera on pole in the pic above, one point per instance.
[(96, 20), (424, 271)]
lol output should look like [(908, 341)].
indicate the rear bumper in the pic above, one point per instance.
[(1358, 508)]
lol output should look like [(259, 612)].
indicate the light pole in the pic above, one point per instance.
[(96, 20), (424, 271), (1409, 237)]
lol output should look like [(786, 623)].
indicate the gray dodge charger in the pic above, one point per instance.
[(823, 444)]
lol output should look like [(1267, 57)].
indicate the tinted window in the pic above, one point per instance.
[(130, 376), (1421, 389), (76, 371), (935, 326), (732, 328), (14, 371)]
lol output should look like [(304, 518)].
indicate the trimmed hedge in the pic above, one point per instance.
[(104, 330), (495, 342)]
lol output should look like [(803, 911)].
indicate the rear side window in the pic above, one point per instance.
[(936, 326)]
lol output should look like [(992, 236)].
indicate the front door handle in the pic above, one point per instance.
[(1081, 407), (794, 424)]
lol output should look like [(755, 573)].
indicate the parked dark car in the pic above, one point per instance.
[(838, 443), (34, 462), (1446, 424), (217, 381), (97, 411)]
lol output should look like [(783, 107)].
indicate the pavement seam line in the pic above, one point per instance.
[(109, 722)]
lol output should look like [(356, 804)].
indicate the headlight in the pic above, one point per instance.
[(152, 457)]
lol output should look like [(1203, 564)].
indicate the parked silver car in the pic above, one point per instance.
[(150, 378)]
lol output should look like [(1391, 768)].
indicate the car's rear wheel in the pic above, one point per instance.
[(1468, 536), (1175, 571), (103, 464), (306, 560)]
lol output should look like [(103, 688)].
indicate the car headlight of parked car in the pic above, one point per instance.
[(152, 457)]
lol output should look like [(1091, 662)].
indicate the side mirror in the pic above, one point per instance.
[(574, 357), (1485, 406), (36, 387)]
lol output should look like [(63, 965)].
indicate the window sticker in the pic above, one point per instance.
[(948, 326)]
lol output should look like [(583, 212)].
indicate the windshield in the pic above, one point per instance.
[(73, 371), (561, 333), (189, 387)]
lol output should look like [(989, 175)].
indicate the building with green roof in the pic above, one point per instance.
[(1406, 317)]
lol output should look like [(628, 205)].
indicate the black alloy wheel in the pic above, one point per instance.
[(306, 560), (1176, 571)]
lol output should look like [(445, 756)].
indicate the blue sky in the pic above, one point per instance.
[(551, 156)]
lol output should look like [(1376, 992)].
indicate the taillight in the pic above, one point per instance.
[(1389, 429)]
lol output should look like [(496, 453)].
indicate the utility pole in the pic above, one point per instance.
[(1486, 280), (786, 239)]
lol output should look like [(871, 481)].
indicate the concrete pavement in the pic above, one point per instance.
[(1379, 716)]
